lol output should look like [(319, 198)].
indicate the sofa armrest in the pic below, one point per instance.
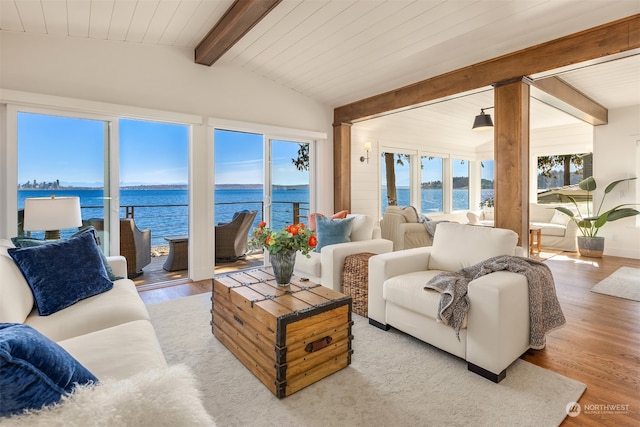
[(413, 235), (118, 265), (572, 230), (332, 258), (382, 267), (498, 320)]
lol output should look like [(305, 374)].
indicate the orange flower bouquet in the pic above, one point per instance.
[(282, 247)]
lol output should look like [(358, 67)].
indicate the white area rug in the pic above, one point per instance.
[(393, 380), (622, 283)]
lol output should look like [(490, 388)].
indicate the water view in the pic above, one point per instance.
[(165, 211)]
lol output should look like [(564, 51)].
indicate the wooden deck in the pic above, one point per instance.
[(155, 276)]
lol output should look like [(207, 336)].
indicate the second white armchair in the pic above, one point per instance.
[(325, 267)]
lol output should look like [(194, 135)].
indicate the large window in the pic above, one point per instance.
[(460, 184), (154, 177), (63, 156), (396, 179), (431, 178), (277, 184)]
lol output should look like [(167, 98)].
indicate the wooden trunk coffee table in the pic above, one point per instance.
[(288, 337)]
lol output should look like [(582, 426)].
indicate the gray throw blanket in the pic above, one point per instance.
[(545, 313), (429, 225)]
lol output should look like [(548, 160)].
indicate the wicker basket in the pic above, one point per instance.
[(355, 281)]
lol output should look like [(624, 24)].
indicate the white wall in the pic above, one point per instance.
[(160, 78), (615, 156)]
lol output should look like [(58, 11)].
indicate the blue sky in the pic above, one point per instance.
[(432, 171), (72, 150)]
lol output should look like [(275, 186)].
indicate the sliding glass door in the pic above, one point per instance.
[(64, 156), (289, 179)]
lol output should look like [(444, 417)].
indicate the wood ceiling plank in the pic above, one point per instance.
[(32, 17), (78, 13), (139, 22), (178, 22), (607, 39), (236, 22), (9, 17), (55, 16), (161, 19), (120, 21)]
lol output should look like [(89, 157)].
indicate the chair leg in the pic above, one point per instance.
[(379, 325), (496, 378)]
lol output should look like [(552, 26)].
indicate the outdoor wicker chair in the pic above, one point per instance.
[(231, 238), (135, 244)]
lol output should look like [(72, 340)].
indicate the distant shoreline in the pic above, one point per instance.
[(171, 187)]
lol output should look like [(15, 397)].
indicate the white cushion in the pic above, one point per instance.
[(119, 305), (474, 217), (101, 352), (548, 229), (16, 299), (308, 267), (456, 246), (407, 291), (409, 213), (540, 213), (361, 227), (560, 218), (487, 213)]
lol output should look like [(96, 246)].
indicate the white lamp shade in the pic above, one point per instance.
[(51, 213)]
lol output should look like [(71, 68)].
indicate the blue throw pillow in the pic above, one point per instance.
[(35, 370), (62, 273), (331, 231), (26, 242)]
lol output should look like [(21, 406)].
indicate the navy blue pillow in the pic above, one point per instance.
[(62, 273), (331, 231), (35, 370), (26, 242)]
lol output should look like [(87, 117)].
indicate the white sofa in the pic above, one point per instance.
[(557, 230), (496, 329), (110, 334), (325, 267)]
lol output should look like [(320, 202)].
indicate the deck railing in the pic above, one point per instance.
[(172, 219)]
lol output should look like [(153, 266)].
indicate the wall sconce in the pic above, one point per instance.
[(50, 214), (483, 121), (367, 148)]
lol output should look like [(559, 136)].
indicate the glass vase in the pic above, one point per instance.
[(282, 264)]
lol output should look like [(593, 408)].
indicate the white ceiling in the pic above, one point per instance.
[(341, 51)]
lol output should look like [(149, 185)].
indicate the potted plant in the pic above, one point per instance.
[(282, 247), (590, 244)]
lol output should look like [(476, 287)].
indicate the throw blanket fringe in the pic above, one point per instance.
[(545, 313)]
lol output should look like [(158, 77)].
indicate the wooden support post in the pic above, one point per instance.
[(511, 156), (342, 167)]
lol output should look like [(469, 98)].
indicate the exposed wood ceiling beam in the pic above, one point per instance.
[(559, 94), (241, 16), (607, 39)]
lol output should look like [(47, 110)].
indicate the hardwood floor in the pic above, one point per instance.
[(599, 345)]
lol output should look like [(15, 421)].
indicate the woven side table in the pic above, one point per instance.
[(355, 281)]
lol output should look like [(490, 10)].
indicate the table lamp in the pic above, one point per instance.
[(50, 214)]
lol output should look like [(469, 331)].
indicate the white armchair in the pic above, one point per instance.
[(325, 267), (401, 225), (495, 331)]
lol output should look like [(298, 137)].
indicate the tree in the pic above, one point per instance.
[(547, 165), (302, 161), (390, 162)]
